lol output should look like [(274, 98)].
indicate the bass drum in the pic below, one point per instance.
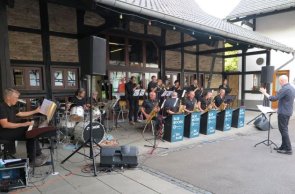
[(82, 132)]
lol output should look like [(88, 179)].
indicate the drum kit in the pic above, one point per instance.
[(75, 122)]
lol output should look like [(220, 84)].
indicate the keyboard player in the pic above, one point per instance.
[(13, 128)]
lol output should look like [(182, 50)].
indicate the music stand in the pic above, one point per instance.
[(266, 110)]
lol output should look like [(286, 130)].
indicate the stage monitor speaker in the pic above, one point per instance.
[(119, 156), (267, 74), (261, 123), (93, 55)]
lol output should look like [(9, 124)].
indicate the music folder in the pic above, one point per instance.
[(167, 93), (139, 92), (48, 108)]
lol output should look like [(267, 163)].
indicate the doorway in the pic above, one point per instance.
[(276, 85)]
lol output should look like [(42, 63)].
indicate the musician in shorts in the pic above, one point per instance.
[(205, 101), (13, 128), (190, 102)]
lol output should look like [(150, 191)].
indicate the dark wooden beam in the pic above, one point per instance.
[(243, 78), (182, 61), (180, 45), (46, 45), (246, 54), (220, 50), (5, 78), (24, 29), (267, 63), (162, 55), (198, 64)]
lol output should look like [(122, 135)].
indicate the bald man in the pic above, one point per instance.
[(285, 96)]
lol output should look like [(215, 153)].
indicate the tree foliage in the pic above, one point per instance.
[(230, 64)]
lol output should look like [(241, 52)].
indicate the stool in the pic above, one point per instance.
[(7, 149)]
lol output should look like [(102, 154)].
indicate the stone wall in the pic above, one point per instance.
[(24, 14), (62, 19), (63, 49), (93, 19), (25, 46)]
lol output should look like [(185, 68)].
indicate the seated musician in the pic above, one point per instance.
[(205, 101), (13, 128), (95, 104), (190, 102), (150, 109), (80, 98), (171, 105), (219, 99)]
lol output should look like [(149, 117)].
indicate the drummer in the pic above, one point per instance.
[(80, 99), (93, 98)]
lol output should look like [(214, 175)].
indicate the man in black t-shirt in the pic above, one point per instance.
[(80, 99), (130, 87), (12, 128), (152, 84), (219, 99), (190, 102), (171, 105), (225, 86), (205, 101)]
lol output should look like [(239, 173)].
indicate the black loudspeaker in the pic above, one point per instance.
[(261, 123), (10, 3), (119, 156), (267, 74), (93, 55)]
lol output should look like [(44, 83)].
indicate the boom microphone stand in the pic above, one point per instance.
[(90, 141)]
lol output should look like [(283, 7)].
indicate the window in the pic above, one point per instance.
[(64, 78), (27, 78), (31, 103)]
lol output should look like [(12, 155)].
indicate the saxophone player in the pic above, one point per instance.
[(150, 110), (190, 102), (205, 102), (219, 99), (171, 105)]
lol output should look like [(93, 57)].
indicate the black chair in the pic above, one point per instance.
[(7, 149)]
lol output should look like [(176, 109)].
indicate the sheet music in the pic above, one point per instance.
[(164, 93), (48, 108), (31, 126), (265, 109), (136, 92)]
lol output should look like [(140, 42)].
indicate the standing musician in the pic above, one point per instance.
[(219, 99), (176, 86), (12, 128), (159, 89), (171, 105), (152, 84), (225, 86), (197, 89), (190, 102), (205, 101), (131, 86)]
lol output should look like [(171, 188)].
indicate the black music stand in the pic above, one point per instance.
[(90, 140), (266, 110), (228, 99)]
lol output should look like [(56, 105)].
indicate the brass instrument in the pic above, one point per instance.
[(181, 109), (152, 114), (196, 108), (222, 106)]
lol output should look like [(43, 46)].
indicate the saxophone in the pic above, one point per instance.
[(152, 114), (210, 106), (222, 106)]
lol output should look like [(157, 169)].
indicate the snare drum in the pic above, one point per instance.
[(82, 132), (77, 114)]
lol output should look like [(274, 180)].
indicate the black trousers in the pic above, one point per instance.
[(133, 108), (283, 122), (19, 134)]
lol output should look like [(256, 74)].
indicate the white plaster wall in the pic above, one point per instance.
[(279, 27)]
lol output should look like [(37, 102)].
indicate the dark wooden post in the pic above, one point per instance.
[(5, 75), (182, 61), (243, 77), (46, 45)]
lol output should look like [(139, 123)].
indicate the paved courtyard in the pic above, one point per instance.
[(225, 162)]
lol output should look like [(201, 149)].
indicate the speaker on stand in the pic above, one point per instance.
[(92, 54)]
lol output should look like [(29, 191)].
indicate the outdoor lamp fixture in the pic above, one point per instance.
[(210, 37), (174, 28), (121, 16), (150, 22)]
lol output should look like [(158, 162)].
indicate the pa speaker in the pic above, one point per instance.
[(267, 74), (119, 156), (93, 55), (261, 123)]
